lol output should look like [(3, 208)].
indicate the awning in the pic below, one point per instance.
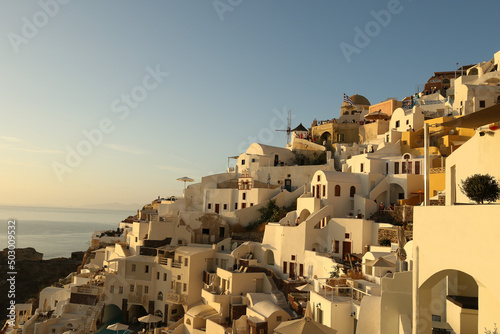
[(477, 119)]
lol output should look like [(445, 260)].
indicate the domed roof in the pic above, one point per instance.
[(358, 100)]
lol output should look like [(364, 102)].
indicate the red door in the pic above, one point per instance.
[(292, 270), (217, 208), (346, 248)]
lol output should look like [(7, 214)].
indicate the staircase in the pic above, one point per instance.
[(277, 294), (92, 319)]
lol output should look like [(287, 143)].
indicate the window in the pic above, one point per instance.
[(209, 206), (336, 246), (253, 160), (225, 206), (146, 289), (184, 287), (236, 206), (251, 204), (284, 267), (244, 196), (352, 191), (164, 276), (403, 167), (313, 191), (337, 190), (482, 104), (178, 277), (362, 168), (112, 289), (205, 231), (146, 269), (407, 121), (417, 167), (324, 190), (347, 235), (293, 257), (133, 267), (278, 318), (397, 124), (120, 289), (186, 262), (386, 168), (157, 275), (319, 178), (242, 162), (160, 296), (396, 168), (132, 288)]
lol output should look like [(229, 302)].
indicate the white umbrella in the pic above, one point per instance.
[(185, 179), (305, 287), (149, 319), (400, 252), (117, 327)]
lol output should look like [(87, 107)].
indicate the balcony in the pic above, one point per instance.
[(177, 265), (176, 298), (134, 298)]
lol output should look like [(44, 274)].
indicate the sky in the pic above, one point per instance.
[(112, 101)]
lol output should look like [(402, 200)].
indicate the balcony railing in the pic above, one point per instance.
[(137, 299), (176, 264), (175, 297), (437, 170)]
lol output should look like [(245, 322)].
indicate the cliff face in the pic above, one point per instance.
[(33, 274)]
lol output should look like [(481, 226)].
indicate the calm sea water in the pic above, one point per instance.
[(56, 232)]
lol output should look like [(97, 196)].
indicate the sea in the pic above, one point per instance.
[(56, 232)]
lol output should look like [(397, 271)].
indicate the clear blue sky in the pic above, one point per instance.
[(232, 66)]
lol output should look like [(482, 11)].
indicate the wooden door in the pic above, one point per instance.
[(292, 270), (346, 248), (217, 208)]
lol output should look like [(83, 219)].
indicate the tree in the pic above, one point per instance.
[(480, 188)]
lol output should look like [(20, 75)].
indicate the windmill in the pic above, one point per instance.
[(288, 127)]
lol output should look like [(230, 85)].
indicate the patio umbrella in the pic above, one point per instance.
[(305, 287), (380, 262), (377, 115), (150, 319), (400, 252), (185, 179), (117, 327)]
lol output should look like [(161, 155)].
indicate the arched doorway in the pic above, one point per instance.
[(396, 193), (303, 216), (448, 298), (269, 256), (325, 136)]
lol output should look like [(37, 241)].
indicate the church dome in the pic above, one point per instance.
[(358, 100)]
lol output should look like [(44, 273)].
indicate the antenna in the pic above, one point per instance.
[(288, 127)]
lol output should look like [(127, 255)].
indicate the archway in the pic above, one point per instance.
[(269, 256), (396, 193), (448, 298), (325, 136), (303, 216)]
